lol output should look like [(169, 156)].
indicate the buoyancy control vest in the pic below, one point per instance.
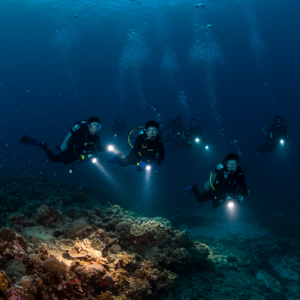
[(74, 127), (227, 181)]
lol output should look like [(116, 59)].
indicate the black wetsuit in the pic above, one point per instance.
[(190, 134), (174, 128), (76, 146), (275, 134), (119, 129), (226, 184), (145, 150)]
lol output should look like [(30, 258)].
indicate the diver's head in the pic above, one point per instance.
[(194, 122), (231, 162), (152, 128), (278, 120), (177, 116), (94, 125), (119, 119)]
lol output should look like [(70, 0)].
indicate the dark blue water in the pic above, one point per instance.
[(67, 60)]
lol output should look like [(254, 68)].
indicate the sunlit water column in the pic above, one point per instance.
[(135, 54), (182, 99), (64, 39), (258, 46), (207, 53)]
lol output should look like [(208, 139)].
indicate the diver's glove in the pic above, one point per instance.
[(154, 168), (190, 190), (142, 164), (115, 158), (241, 198)]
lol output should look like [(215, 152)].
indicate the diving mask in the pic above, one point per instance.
[(95, 126)]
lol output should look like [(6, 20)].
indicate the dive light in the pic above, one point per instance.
[(282, 142), (197, 140), (111, 148), (206, 147), (148, 168)]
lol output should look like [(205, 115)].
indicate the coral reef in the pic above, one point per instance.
[(58, 243), (58, 247)]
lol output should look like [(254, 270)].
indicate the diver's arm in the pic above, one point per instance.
[(196, 193), (137, 146), (76, 141), (210, 181), (270, 135)]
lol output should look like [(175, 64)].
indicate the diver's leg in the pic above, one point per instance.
[(125, 161), (207, 196), (53, 158)]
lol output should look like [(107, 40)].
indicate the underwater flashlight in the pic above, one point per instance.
[(230, 204), (197, 140), (115, 135), (206, 147), (70, 171), (94, 160), (282, 142), (111, 148), (148, 167)]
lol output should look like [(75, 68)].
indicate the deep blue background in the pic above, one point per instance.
[(46, 86)]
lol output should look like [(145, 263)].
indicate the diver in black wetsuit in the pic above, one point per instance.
[(119, 129), (83, 141), (148, 150), (226, 182), (277, 135), (192, 136), (175, 127)]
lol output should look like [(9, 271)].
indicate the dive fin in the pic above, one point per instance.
[(26, 140)]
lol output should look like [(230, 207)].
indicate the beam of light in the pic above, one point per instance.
[(282, 142), (206, 147), (148, 168), (108, 176), (94, 160), (197, 140), (111, 148)]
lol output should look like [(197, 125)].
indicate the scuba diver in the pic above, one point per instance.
[(175, 127), (118, 128), (82, 142), (226, 183), (192, 136), (277, 134), (148, 151)]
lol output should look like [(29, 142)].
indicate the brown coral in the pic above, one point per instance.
[(78, 225), (7, 234), (54, 266), (182, 238), (122, 225), (139, 273), (106, 296), (3, 281), (27, 284)]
